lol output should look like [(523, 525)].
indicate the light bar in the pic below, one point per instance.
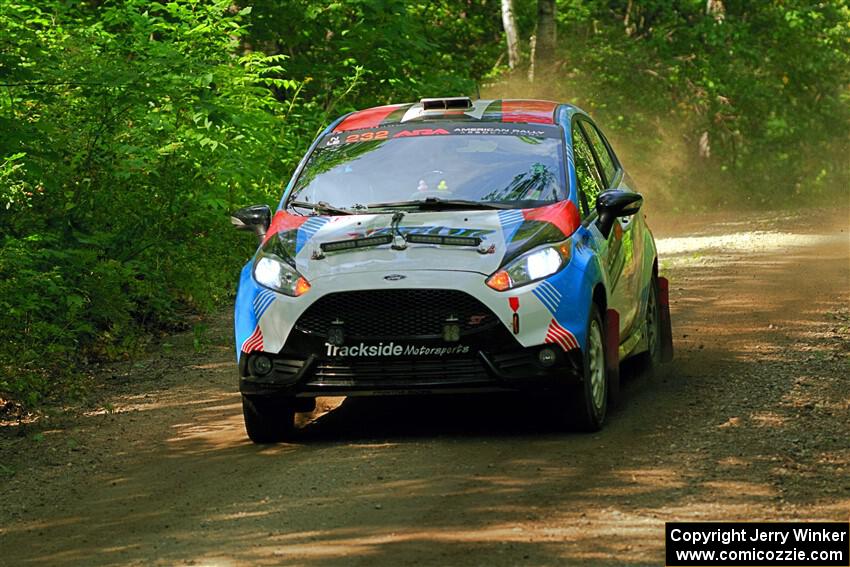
[(444, 240), (355, 243)]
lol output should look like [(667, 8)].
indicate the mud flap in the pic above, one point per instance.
[(612, 354), (665, 324)]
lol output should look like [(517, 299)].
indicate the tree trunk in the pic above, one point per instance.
[(509, 23), (546, 33)]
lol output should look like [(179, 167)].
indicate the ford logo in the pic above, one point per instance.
[(394, 277)]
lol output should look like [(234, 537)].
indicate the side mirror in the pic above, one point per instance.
[(615, 203), (256, 218)]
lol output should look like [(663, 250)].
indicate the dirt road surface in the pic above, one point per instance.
[(750, 422)]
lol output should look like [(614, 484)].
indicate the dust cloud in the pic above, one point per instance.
[(668, 156)]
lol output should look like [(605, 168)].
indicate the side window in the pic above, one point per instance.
[(587, 175), (606, 160)]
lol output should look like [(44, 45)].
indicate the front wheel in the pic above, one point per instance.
[(590, 399), (268, 419)]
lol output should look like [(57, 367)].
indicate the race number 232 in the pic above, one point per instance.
[(367, 136)]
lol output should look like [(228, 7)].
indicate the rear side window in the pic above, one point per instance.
[(606, 160), (587, 174)]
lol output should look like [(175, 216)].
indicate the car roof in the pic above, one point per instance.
[(521, 111)]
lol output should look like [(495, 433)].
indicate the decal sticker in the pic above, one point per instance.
[(369, 118), (254, 342), (283, 221), (364, 350), (367, 136), (308, 230), (536, 111), (511, 220), (563, 214), (382, 130), (495, 130), (556, 334), (263, 301), (549, 295), (421, 132), (514, 303)]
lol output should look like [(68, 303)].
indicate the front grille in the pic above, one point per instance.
[(396, 313), (377, 373)]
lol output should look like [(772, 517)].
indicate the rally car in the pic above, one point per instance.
[(449, 245)]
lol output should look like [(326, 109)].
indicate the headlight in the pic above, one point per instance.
[(272, 272), (531, 266)]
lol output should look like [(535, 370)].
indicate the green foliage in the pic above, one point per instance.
[(130, 129), (750, 103), (130, 137)]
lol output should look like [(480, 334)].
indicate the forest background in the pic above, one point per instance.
[(130, 129)]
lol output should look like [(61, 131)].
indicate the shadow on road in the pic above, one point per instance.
[(749, 422)]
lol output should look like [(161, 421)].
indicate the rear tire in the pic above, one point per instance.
[(590, 397), (650, 360), (268, 419)]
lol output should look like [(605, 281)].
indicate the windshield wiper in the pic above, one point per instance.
[(320, 207), (437, 203)]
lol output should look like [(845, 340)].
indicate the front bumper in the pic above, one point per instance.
[(501, 335), (479, 371)]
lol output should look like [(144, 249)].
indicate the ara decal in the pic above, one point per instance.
[(421, 132)]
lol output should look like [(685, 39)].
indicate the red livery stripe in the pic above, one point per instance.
[(254, 342), (536, 111), (284, 221), (369, 118), (558, 334), (563, 214)]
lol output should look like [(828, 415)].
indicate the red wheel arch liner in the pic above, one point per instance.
[(612, 352)]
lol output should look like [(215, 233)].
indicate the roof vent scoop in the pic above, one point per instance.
[(451, 103)]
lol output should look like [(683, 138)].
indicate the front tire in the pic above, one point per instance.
[(268, 419), (590, 399)]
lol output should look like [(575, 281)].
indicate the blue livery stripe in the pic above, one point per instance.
[(510, 221), (552, 289), (262, 302), (547, 302), (554, 298), (308, 230)]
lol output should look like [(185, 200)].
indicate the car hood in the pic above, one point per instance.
[(502, 235)]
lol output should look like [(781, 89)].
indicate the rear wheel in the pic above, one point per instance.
[(268, 419), (651, 359), (590, 397)]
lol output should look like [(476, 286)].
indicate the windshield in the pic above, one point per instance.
[(498, 164)]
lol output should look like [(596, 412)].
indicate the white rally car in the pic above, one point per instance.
[(449, 245)]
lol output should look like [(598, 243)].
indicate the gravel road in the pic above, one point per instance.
[(749, 422)]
